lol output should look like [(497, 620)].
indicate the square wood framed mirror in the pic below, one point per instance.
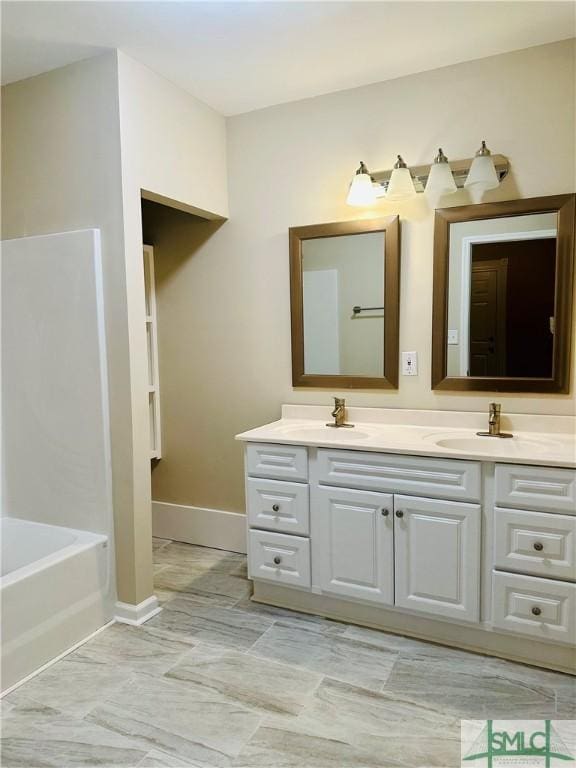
[(502, 296), (345, 293)]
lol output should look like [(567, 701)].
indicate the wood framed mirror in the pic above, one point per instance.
[(502, 297), (345, 292)]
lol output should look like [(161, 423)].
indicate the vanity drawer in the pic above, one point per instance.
[(278, 506), (547, 489), (418, 475), (279, 558), (280, 462), (541, 608), (538, 543)]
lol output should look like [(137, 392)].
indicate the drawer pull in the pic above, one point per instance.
[(276, 507), (385, 513), (399, 513), (277, 560), (536, 611), (538, 546)]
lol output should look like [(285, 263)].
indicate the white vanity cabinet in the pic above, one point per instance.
[(354, 546), (437, 557), (481, 555)]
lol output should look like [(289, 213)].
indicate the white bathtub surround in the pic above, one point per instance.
[(196, 525), (54, 592), (543, 440), (57, 484), (137, 614), (411, 523)]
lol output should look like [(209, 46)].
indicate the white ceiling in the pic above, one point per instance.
[(240, 56)]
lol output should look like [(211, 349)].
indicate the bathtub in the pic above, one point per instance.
[(54, 592)]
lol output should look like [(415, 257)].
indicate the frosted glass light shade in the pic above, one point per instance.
[(440, 181), (400, 186), (361, 192), (482, 175)]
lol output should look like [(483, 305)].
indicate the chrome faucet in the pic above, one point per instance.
[(494, 423), (339, 413)]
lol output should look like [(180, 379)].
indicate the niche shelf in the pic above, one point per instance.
[(152, 349)]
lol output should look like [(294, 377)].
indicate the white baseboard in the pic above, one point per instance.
[(195, 525), (126, 613)]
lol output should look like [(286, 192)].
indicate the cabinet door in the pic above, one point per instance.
[(437, 557), (356, 549)]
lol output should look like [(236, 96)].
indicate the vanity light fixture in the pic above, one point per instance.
[(482, 174), (361, 192), (401, 185), (477, 174), (440, 181)]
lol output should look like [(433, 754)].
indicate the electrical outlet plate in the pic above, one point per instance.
[(409, 364)]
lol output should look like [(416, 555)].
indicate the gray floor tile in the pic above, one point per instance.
[(193, 724), (158, 544), (216, 680), (330, 654), (134, 648), (212, 623), (291, 617), (157, 759), (34, 736), (210, 583), (75, 685), (254, 683), (184, 555), (468, 687)]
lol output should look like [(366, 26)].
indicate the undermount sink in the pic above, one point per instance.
[(315, 432), (491, 444)]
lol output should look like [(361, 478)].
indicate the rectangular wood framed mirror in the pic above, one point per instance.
[(345, 292), (502, 297)]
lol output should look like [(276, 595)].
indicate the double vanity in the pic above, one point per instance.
[(410, 522)]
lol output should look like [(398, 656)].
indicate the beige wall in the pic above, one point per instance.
[(78, 146), (190, 298), (173, 146), (60, 172), (289, 166)]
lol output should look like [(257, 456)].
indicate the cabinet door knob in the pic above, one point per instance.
[(399, 513), (276, 507), (385, 513), (277, 560), (536, 611), (538, 546)]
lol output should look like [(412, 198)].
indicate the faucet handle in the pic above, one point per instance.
[(339, 401), (495, 407)]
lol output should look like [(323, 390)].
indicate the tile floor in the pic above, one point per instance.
[(216, 680)]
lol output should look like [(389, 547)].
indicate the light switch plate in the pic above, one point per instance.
[(409, 363), (453, 337)]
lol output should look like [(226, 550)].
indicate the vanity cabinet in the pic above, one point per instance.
[(437, 557), (355, 550), (448, 549)]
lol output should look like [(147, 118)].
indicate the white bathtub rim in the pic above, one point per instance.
[(56, 658), (83, 540)]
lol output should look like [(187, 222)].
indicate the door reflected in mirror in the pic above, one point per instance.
[(501, 288), (343, 294), (502, 296)]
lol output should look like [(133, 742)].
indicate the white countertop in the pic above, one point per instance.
[(426, 433)]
